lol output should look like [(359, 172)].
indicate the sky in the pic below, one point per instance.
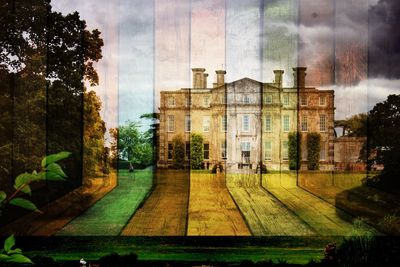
[(350, 46)]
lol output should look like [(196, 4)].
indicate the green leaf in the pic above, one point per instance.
[(15, 251), (26, 189), (53, 176), (3, 196), (24, 203), (55, 168), (9, 243), (15, 258), (54, 158)]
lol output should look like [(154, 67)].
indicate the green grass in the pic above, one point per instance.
[(110, 214), (187, 253)]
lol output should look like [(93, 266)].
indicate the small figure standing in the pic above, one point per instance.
[(130, 167)]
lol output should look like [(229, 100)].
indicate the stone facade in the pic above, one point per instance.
[(246, 122)]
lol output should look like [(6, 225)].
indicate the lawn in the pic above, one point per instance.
[(212, 210), (164, 213), (110, 214), (264, 214)]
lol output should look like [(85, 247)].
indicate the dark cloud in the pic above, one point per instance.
[(384, 39)]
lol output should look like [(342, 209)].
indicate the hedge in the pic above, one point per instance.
[(313, 150), (294, 150), (196, 151), (178, 152)]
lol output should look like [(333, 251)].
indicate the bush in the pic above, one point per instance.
[(178, 152), (263, 168), (218, 165), (294, 150), (313, 150), (196, 151)]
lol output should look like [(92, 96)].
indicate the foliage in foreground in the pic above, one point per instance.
[(50, 170)]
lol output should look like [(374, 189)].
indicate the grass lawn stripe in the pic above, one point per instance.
[(212, 211), (164, 213), (265, 215), (110, 214)]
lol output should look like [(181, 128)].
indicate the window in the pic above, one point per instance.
[(304, 125), (246, 123), (224, 99), (206, 149), (171, 101), (286, 125), (171, 123), (206, 124), (268, 123), (224, 123), (322, 123), (246, 99), (245, 146), (188, 124), (322, 153), (206, 101), (322, 101), (187, 150), (170, 151), (286, 100), (188, 102), (303, 100), (304, 152), (285, 150), (268, 99), (223, 150), (268, 151)]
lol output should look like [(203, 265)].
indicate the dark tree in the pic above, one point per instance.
[(384, 136)]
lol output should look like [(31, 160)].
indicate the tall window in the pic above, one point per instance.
[(322, 100), (303, 100), (224, 99), (206, 101), (286, 99), (171, 123), (171, 101), (286, 125), (224, 123), (322, 123), (188, 124), (170, 151), (223, 149), (268, 99), (206, 149), (246, 99), (304, 124), (245, 146), (322, 153), (285, 150), (268, 123), (187, 150), (246, 123), (268, 150), (206, 124)]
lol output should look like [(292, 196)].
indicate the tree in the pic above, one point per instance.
[(93, 135), (134, 145), (294, 150), (355, 126), (384, 135), (196, 151), (45, 57), (178, 152), (313, 150)]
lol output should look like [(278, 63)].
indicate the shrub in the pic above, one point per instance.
[(196, 151), (178, 152), (313, 150), (294, 150)]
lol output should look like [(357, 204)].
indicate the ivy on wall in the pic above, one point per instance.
[(313, 150), (294, 150)]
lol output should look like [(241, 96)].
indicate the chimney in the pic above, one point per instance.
[(220, 77), (205, 80), (278, 77), (299, 77), (198, 77)]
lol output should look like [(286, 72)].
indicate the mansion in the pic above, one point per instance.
[(246, 122)]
